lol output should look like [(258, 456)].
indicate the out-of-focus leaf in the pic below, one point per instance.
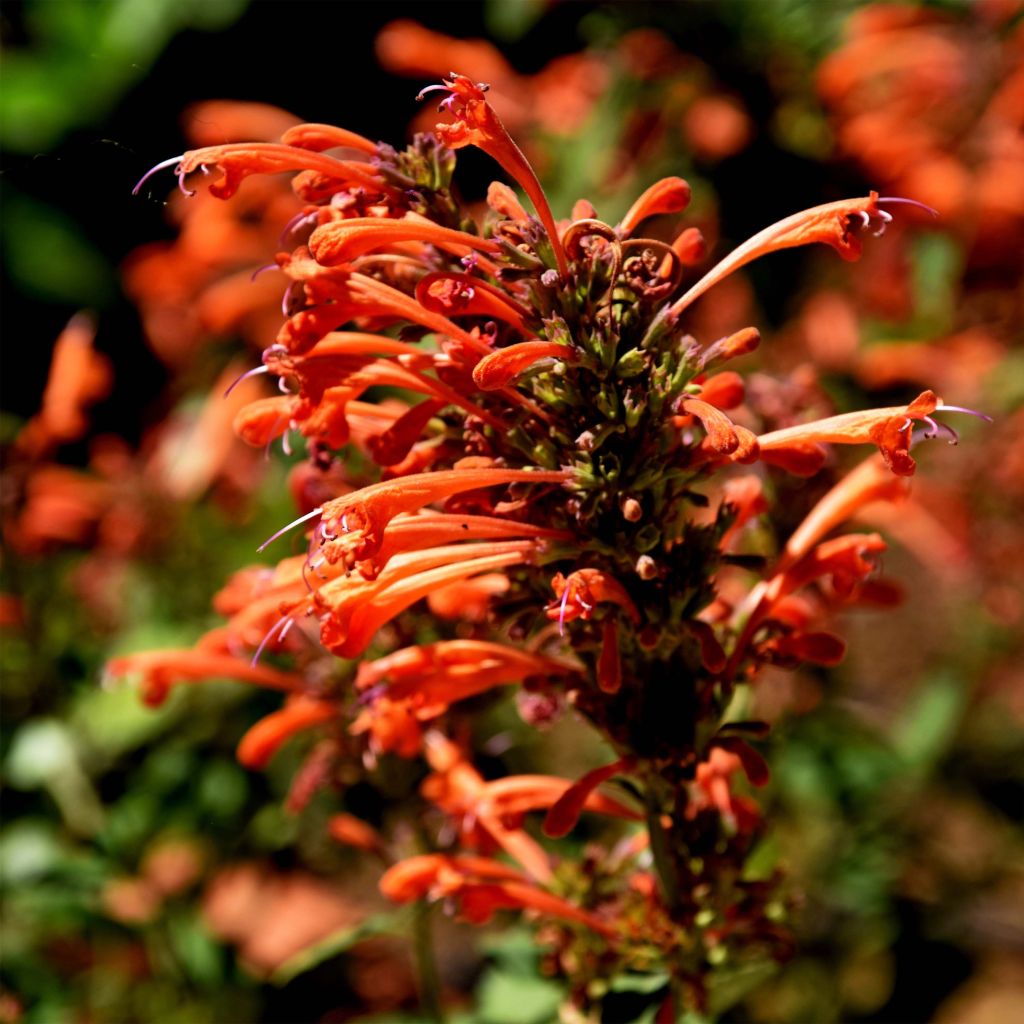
[(512, 19), (644, 984), (92, 52), (41, 750), (195, 949), (223, 789), (272, 828), (515, 950), (111, 721), (28, 850), (390, 922), (763, 859), (930, 722), (517, 999), (729, 984), (48, 257), (938, 265)]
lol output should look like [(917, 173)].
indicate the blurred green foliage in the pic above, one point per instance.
[(80, 57)]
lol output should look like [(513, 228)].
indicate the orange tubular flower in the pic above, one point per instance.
[(264, 739), (319, 137), (238, 160), (578, 594), (345, 240), (830, 224), (462, 295), (456, 787), (481, 887), (670, 195), (367, 512), (501, 368), (477, 125), (78, 377), (889, 428), (161, 669), (566, 810)]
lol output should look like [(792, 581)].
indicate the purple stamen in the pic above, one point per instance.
[(170, 162), (294, 223), (295, 522), (969, 412), (261, 270), (268, 445), (561, 609), (281, 622), (248, 373), (909, 202), (431, 88), (370, 695)]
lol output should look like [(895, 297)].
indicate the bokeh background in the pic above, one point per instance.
[(147, 877)]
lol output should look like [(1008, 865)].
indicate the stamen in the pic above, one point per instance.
[(248, 373), (170, 162), (294, 223), (260, 270), (886, 221), (561, 609), (969, 412), (909, 202), (295, 522), (281, 622), (270, 441)]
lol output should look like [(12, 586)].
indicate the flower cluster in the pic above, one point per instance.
[(524, 470)]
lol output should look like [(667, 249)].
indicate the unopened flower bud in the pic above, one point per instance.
[(631, 510), (646, 567)]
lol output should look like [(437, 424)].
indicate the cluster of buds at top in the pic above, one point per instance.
[(563, 486)]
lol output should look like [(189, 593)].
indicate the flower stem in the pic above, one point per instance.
[(426, 965), (663, 863)]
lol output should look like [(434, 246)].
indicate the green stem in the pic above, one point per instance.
[(426, 964), (663, 862)]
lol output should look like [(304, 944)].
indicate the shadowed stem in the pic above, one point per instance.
[(426, 964), (660, 852)]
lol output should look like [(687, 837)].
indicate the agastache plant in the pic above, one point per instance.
[(560, 505)]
